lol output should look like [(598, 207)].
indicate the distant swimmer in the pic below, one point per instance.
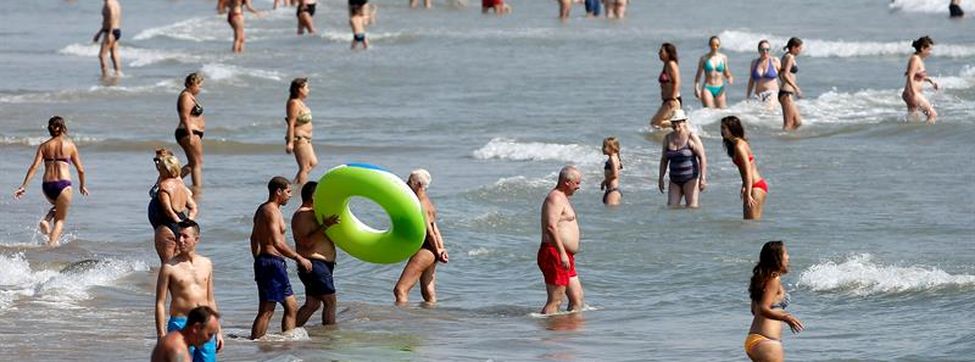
[(299, 133), (768, 302), (269, 249), (789, 89), (560, 243), (593, 8), (57, 153), (306, 14), (565, 8), (611, 172), (187, 279), (358, 22), (426, 3), (764, 76), (202, 324), (683, 155), (235, 17), (954, 9), (111, 29), (916, 76), (170, 202), (615, 9), (714, 66), (754, 189), (498, 6), (312, 243), (670, 83), (368, 9), (189, 132), (423, 265)]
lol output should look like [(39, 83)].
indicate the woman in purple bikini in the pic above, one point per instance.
[(55, 154)]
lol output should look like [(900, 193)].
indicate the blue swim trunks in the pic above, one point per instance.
[(319, 280), (271, 275), (593, 7), (206, 353)]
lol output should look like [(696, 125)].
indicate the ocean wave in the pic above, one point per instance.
[(860, 275), (209, 28), (928, 6), (19, 281), (137, 57), (73, 95), (508, 149), (80, 140), (747, 42), (225, 72)]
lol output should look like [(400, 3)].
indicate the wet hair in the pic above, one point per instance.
[(733, 124), (421, 177), (670, 50), (764, 41), (296, 87), (921, 43), (277, 183), (169, 162), (770, 265), (793, 43), (569, 173), (613, 144), (189, 224), (193, 79), (308, 191), (713, 38), (200, 315), (56, 127)]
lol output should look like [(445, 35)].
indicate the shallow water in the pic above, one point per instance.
[(877, 213)]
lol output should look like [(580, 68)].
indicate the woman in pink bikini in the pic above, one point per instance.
[(916, 76), (56, 154), (754, 189)]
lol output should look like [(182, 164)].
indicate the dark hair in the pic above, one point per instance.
[(56, 127), (200, 315), (733, 124), (193, 78), (296, 85), (308, 191), (671, 51), (793, 42), (921, 43), (277, 183), (763, 41), (189, 224), (769, 266), (713, 38)]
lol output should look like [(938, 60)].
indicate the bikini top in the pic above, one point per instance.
[(608, 165), (708, 67), (303, 118), (751, 158), (197, 110), (920, 75), (58, 159), (794, 69), (664, 77), (782, 304), (770, 72)]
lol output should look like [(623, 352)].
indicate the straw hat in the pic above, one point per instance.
[(678, 115)]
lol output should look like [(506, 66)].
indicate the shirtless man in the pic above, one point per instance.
[(202, 324), (311, 243), (560, 242), (111, 22), (188, 278), (270, 270), (423, 265)]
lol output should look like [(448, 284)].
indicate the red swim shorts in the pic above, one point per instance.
[(551, 265), (491, 3)]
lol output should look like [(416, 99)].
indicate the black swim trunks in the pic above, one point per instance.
[(310, 9), (319, 280), (181, 133), (358, 2)]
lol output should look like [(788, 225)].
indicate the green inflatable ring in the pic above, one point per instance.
[(408, 225)]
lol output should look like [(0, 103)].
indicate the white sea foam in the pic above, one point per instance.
[(80, 94), (861, 275), (225, 72), (136, 57), (210, 28), (508, 149), (744, 41), (478, 252), (35, 141), (19, 281), (345, 37), (928, 6)]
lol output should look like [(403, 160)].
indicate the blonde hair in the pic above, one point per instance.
[(169, 162), (421, 177), (613, 144)]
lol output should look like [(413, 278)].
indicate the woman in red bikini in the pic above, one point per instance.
[(753, 187), (56, 154)]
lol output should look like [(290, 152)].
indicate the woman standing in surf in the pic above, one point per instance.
[(789, 90), (916, 76), (669, 80), (298, 137), (189, 132), (769, 300), (754, 189), (235, 17), (717, 76), (56, 154)]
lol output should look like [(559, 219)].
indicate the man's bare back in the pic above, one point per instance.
[(111, 15)]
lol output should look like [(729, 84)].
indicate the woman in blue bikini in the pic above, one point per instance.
[(56, 153), (714, 67), (764, 75)]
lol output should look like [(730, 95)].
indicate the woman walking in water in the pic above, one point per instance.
[(611, 172), (789, 88), (769, 300), (299, 133), (56, 153), (235, 17), (423, 265), (764, 75), (717, 75), (754, 189), (189, 132), (170, 202), (916, 76), (683, 154), (669, 80)]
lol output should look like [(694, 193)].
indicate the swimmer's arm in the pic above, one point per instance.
[(551, 211), (162, 288), (38, 158), (76, 160), (697, 76), (727, 71), (702, 155), (212, 301), (663, 164), (751, 81), (190, 204)]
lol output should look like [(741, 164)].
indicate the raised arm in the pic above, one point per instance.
[(38, 157)]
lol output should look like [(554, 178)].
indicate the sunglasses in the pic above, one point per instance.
[(764, 49)]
